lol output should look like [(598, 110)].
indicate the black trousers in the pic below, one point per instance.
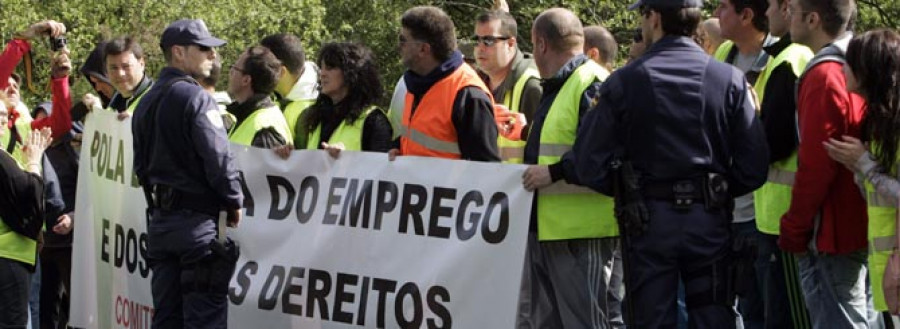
[(15, 279), (56, 270)]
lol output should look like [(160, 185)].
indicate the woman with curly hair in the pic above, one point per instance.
[(873, 71), (344, 116)]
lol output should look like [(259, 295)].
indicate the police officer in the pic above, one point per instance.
[(183, 162), (684, 144)]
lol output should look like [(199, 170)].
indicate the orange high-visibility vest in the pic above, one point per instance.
[(430, 131)]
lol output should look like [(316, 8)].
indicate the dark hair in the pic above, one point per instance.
[(360, 72), (759, 7), (120, 45), (677, 21), (508, 26), (432, 26), (562, 33), (263, 67), (837, 16), (599, 37), (288, 49), (214, 74), (874, 59)]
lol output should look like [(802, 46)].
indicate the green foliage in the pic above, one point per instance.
[(242, 23)]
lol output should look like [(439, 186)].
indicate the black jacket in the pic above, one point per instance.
[(778, 110)]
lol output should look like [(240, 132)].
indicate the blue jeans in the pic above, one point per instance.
[(834, 287)]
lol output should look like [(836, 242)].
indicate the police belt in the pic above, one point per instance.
[(168, 198), (686, 192)]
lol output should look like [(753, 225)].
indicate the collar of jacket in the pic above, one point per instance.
[(419, 85), (556, 82), (243, 110), (120, 103), (519, 64), (777, 47)]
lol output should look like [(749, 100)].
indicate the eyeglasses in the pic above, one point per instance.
[(234, 67), (488, 40), (792, 12)]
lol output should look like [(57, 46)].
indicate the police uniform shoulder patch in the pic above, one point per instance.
[(215, 118)]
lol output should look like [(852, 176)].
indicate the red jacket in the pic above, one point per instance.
[(60, 120), (823, 187)]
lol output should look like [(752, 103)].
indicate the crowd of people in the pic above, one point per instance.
[(739, 171)]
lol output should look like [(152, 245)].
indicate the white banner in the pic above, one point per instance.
[(358, 242)]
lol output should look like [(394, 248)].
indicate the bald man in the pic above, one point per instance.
[(712, 35), (600, 46), (574, 235)]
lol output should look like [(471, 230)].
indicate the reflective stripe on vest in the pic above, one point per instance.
[(566, 211), (292, 113), (270, 117), (514, 151), (773, 199), (429, 130), (882, 213), (348, 134)]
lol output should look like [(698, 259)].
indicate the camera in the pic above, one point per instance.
[(57, 43)]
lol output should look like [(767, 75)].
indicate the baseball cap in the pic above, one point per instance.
[(189, 32), (667, 4)]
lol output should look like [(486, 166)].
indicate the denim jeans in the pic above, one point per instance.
[(834, 287)]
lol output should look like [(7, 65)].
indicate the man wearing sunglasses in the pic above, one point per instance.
[(182, 159), (514, 80), (448, 110)]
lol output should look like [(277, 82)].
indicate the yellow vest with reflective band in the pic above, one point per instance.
[(773, 199), (882, 228), (292, 113), (566, 211), (721, 53), (514, 151), (349, 134), (14, 245), (258, 120)]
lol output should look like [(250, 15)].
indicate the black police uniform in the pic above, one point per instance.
[(182, 157), (680, 118)]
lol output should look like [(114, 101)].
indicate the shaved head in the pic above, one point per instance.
[(561, 28)]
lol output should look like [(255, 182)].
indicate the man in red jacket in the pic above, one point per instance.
[(826, 223)]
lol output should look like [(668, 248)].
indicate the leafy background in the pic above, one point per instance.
[(244, 22)]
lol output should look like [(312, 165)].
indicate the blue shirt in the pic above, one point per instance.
[(187, 149)]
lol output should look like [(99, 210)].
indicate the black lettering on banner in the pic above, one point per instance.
[(494, 237), (243, 281), (119, 173), (333, 199), (363, 298), (462, 232), (353, 203), (101, 165), (95, 149), (276, 185), (131, 251), (291, 289), (437, 211), (316, 295), (408, 289), (412, 210), (249, 205), (383, 287), (267, 300), (387, 201), (309, 186), (144, 266), (119, 249), (104, 241), (341, 297), (436, 307)]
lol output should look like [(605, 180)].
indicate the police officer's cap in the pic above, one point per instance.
[(189, 32), (667, 4)]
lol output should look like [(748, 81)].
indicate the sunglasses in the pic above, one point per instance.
[(488, 40)]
